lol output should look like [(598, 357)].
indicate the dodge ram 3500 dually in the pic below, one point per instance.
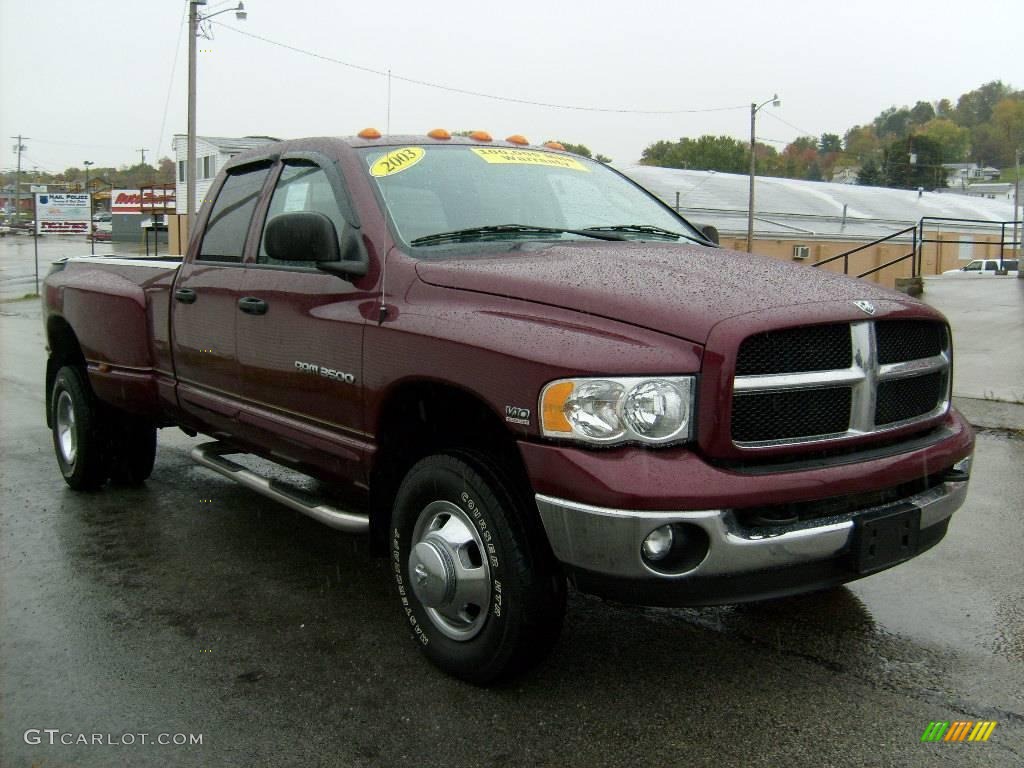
[(524, 370)]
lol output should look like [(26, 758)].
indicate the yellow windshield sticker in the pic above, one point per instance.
[(396, 161), (528, 157)]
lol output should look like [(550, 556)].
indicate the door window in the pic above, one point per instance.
[(224, 239), (303, 186)]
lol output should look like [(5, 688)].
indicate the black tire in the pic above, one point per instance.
[(519, 620), (79, 431), (132, 449)]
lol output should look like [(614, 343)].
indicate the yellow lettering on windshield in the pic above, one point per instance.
[(501, 155)]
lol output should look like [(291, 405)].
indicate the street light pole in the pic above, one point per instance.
[(754, 108), (190, 159), (92, 234)]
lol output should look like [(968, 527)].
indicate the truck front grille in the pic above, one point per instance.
[(836, 382)]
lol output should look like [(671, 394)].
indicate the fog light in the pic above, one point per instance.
[(658, 543)]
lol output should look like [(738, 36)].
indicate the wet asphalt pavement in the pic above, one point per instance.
[(193, 606)]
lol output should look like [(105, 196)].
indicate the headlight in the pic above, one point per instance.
[(654, 410)]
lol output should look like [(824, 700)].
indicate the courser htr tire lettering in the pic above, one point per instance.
[(455, 508)]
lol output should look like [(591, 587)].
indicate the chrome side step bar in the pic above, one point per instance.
[(211, 456)]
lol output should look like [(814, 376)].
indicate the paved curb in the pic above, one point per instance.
[(991, 414)]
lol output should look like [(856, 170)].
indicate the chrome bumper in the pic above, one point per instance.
[(608, 541)]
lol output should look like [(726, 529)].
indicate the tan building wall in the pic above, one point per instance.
[(936, 257)]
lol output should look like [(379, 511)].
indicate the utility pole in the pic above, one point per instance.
[(1017, 213), (754, 107), (190, 154), (19, 147), (143, 153)]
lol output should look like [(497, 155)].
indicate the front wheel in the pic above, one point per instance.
[(478, 585)]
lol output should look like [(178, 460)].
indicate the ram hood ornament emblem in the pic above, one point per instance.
[(865, 306)]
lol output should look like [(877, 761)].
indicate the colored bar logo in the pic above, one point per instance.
[(959, 730)]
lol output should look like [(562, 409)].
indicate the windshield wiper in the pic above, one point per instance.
[(645, 229), (511, 230)]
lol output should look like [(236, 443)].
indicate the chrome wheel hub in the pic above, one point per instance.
[(448, 570), (67, 438)]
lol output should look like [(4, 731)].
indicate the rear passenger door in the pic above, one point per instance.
[(204, 310), (300, 347)]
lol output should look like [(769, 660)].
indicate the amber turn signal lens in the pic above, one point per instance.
[(439, 133), (480, 136), (553, 408), (517, 139), (369, 133)]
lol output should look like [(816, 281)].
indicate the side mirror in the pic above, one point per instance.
[(710, 232), (310, 236)]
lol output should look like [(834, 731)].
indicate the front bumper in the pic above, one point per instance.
[(601, 547)]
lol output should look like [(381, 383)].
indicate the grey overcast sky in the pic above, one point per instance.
[(96, 80)]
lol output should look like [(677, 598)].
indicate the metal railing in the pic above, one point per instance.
[(845, 256), (919, 239)]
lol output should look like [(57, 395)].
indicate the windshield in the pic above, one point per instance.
[(461, 193)]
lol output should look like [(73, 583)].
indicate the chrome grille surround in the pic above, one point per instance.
[(863, 378)]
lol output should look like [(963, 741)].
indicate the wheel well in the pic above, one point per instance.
[(64, 350), (425, 418)]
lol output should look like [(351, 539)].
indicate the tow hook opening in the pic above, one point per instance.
[(959, 472)]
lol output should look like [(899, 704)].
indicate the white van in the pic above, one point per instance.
[(984, 268)]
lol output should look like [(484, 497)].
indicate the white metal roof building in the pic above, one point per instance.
[(788, 208)]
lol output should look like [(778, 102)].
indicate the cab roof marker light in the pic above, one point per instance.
[(515, 138), (369, 133), (439, 133), (554, 145), (480, 136)]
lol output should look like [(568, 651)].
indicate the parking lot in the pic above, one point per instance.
[(193, 606)]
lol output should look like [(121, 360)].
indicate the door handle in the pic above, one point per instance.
[(253, 306), (185, 295)]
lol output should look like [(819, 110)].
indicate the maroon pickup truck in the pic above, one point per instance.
[(520, 369)]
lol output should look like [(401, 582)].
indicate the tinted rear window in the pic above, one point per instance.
[(226, 230)]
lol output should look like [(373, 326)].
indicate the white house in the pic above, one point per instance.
[(212, 152)]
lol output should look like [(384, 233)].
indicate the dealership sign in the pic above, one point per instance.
[(62, 214), (133, 200)]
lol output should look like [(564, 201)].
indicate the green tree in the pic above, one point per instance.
[(921, 113), (913, 162), (953, 139), (577, 149), (829, 142), (870, 174), (602, 158), (893, 122), (165, 171), (706, 153), (862, 141), (975, 107), (1008, 121)]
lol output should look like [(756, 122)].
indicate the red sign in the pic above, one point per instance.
[(132, 201)]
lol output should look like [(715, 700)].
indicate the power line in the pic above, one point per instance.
[(467, 92), (170, 81), (794, 127)]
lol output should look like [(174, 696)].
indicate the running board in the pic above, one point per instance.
[(211, 456)]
